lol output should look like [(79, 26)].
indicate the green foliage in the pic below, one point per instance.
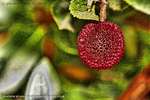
[(100, 91), (145, 37), (61, 16), (7, 9), (4, 98), (115, 4), (130, 41), (80, 9), (141, 5), (145, 59), (20, 32), (25, 35), (63, 41)]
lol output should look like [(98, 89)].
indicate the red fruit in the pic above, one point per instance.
[(100, 45)]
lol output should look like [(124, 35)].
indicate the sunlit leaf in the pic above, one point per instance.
[(61, 15), (80, 9), (141, 5), (115, 4)]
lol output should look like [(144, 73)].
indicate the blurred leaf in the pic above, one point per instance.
[(144, 37), (74, 94), (4, 98), (43, 81), (5, 18), (36, 37), (116, 77), (115, 4), (145, 59), (107, 90), (7, 9), (131, 41), (141, 5), (16, 70), (20, 32), (10, 5), (75, 72), (62, 41), (79, 9), (25, 42), (96, 91), (61, 16), (139, 20)]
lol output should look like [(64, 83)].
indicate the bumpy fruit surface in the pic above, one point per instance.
[(100, 45)]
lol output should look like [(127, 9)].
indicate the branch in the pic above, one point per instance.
[(139, 87), (102, 13)]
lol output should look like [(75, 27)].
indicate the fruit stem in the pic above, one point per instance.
[(102, 13)]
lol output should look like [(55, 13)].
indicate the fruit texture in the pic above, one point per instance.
[(100, 45)]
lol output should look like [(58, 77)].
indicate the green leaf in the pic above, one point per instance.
[(115, 4), (20, 33), (131, 41), (62, 41), (141, 5), (144, 61), (79, 9), (61, 16), (145, 37), (5, 98), (35, 38)]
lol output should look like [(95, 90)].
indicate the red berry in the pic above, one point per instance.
[(100, 45)]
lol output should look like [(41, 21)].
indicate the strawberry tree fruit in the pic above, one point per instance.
[(100, 45)]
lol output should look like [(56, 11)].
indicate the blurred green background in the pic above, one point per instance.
[(38, 44)]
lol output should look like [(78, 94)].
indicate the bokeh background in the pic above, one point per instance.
[(38, 55)]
